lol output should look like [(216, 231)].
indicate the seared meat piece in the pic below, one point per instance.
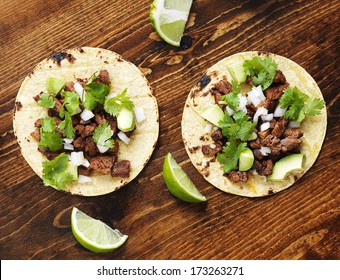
[(218, 98), (273, 143), (88, 131), (238, 176), (264, 167), (279, 77), (257, 154), (113, 123), (251, 110), (290, 143), (79, 129), (86, 171), (99, 118), (48, 154), (58, 105), (294, 132), (263, 134), (121, 169), (211, 149), (272, 123), (255, 144), (270, 105), (91, 147), (79, 143), (103, 77), (279, 127), (216, 135), (102, 164), (223, 87), (37, 123), (69, 86), (114, 150), (36, 97), (274, 92), (36, 134)]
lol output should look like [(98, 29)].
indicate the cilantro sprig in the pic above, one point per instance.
[(102, 135), (55, 172), (261, 70), (115, 104), (66, 126), (230, 155), (96, 93), (46, 100), (49, 138), (299, 105), (231, 98)]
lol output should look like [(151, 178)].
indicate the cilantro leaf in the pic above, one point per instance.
[(237, 126), (102, 135), (66, 126), (96, 93), (231, 98), (261, 70), (55, 172), (230, 155), (71, 101), (114, 105), (299, 104), (46, 100), (49, 138)]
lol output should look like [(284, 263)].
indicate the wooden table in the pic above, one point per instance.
[(300, 223)]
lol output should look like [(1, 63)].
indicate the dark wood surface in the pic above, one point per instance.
[(300, 223)]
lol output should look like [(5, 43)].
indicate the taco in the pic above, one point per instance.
[(86, 121), (254, 123)]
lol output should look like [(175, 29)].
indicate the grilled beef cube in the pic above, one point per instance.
[(79, 143), (216, 135), (69, 86), (86, 171), (36, 134), (211, 149), (102, 164), (270, 105), (113, 124), (47, 153), (264, 167), (294, 132), (279, 127), (279, 77), (255, 144), (37, 123), (273, 143), (238, 176), (114, 150), (91, 147), (251, 110), (121, 169), (258, 154), (290, 143), (275, 91), (103, 77), (223, 87), (99, 118)]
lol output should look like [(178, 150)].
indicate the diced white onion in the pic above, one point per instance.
[(243, 101), (259, 93), (279, 112), (102, 149), (265, 151), (267, 118), (212, 146), (68, 146), (293, 124), (79, 89), (265, 126), (85, 163), (67, 140), (84, 179), (77, 158), (86, 115), (230, 111), (139, 113), (208, 128), (122, 136), (215, 128), (260, 111)]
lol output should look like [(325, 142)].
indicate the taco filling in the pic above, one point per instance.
[(81, 130), (254, 123)]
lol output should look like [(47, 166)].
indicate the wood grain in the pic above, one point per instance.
[(300, 223)]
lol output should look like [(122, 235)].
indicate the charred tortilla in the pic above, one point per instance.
[(69, 65), (195, 136)]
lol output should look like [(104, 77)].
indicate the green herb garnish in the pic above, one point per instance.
[(230, 155), (114, 105), (66, 126), (96, 93), (299, 104), (49, 138), (102, 135), (55, 171), (261, 70), (46, 100), (231, 98)]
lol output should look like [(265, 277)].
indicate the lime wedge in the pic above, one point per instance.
[(179, 183), (93, 234), (169, 17)]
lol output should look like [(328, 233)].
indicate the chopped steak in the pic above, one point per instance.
[(103, 77), (279, 127), (274, 92), (69, 86), (238, 176), (211, 149), (102, 164), (294, 132), (216, 135), (290, 143), (223, 87), (121, 169), (91, 147), (279, 77), (79, 143)]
